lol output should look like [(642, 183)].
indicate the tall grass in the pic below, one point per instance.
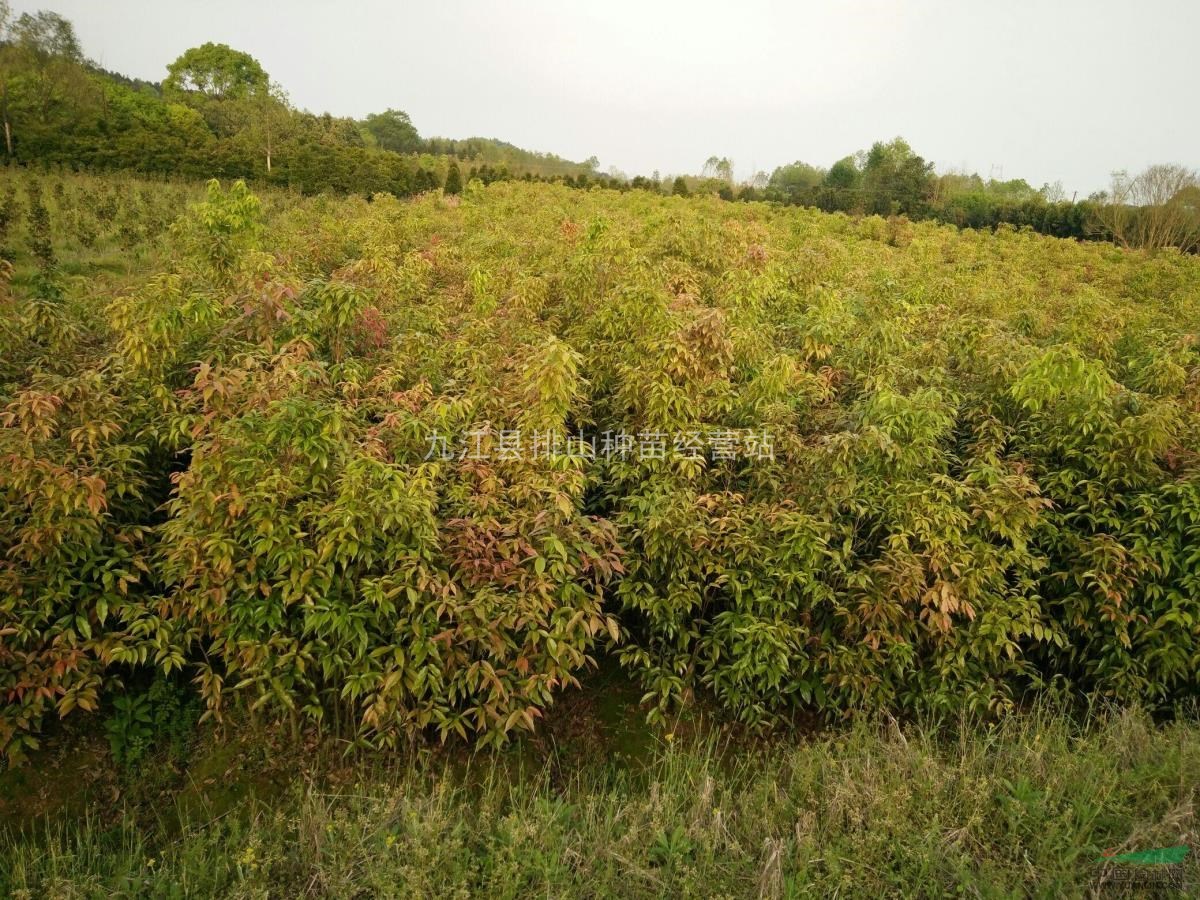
[(1022, 808)]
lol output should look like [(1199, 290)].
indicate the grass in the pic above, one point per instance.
[(1021, 808)]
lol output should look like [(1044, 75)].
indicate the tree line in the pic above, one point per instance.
[(1157, 208), (218, 113)]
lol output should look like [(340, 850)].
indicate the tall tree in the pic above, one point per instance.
[(49, 35), (453, 183), (844, 174), (267, 120), (215, 72), (44, 49), (896, 178), (796, 178), (720, 168), (392, 130), (1155, 209), (8, 67)]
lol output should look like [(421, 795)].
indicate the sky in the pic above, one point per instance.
[(1046, 90)]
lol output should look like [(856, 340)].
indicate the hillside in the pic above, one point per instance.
[(218, 113)]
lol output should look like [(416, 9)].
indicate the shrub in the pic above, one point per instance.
[(897, 465)]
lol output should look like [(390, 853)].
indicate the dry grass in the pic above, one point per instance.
[(1022, 808)]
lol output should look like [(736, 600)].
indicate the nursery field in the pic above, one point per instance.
[(409, 466), (401, 471)]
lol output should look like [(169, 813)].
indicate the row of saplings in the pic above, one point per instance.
[(270, 527)]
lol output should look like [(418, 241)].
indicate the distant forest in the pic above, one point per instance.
[(217, 113)]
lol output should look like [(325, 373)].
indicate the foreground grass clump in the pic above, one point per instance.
[(1024, 808)]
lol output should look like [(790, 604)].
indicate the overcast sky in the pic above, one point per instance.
[(1046, 90)]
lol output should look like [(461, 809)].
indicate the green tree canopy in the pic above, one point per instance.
[(46, 35), (896, 178), (844, 174), (42, 75), (216, 72), (796, 176), (393, 130)]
